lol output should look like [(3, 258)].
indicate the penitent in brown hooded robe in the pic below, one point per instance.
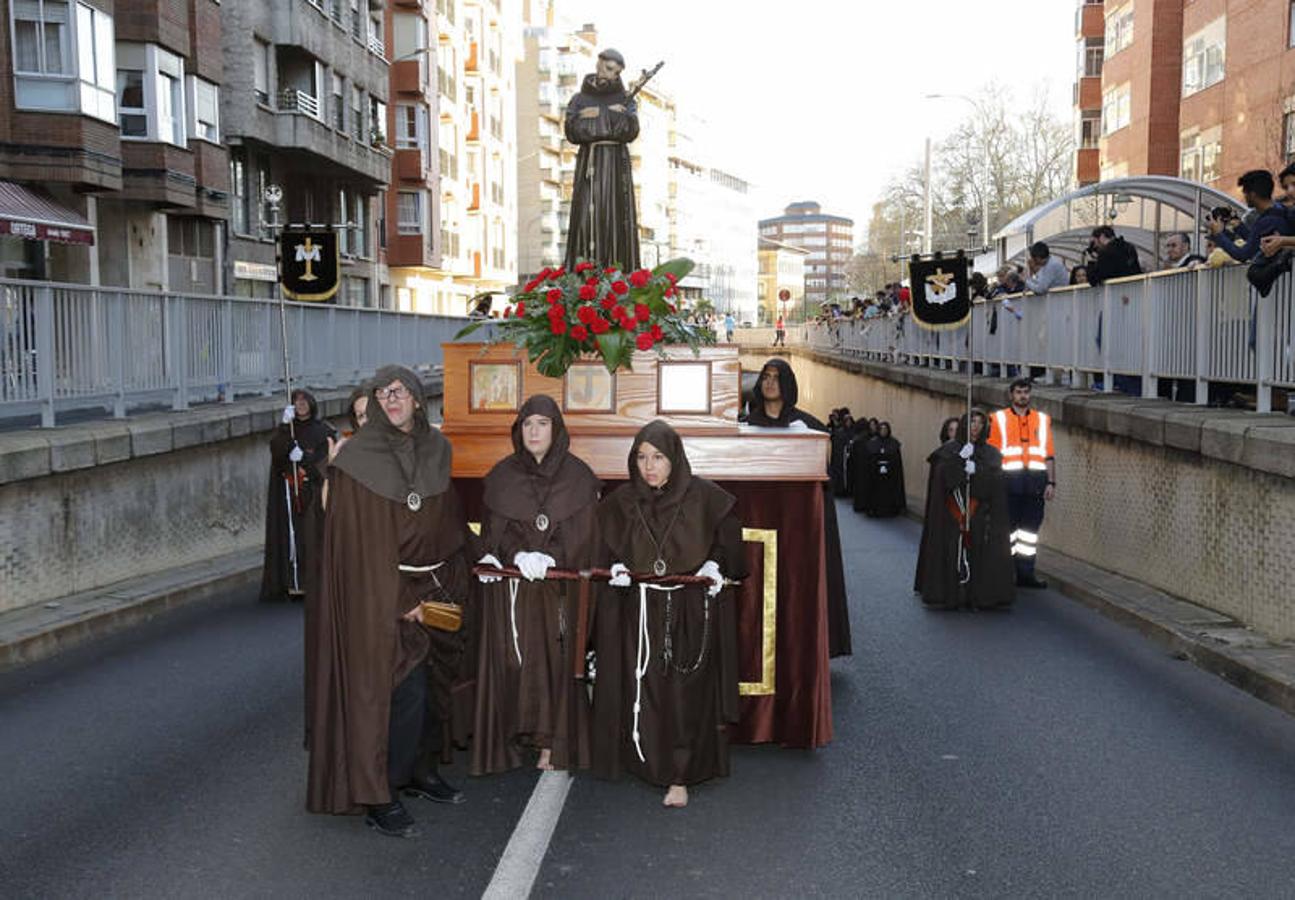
[(362, 647), (527, 695), (688, 690)]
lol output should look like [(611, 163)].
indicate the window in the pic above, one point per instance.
[(1091, 56), (1290, 28), (357, 113), (61, 64), (339, 102), (377, 121), (261, 71), (409, 39), (411, 127), (204, 103), (360, 229), (157, 95), (343, 225), (1115, 109), (357, 21), (1090, 129), (238, 191), (1203, 54), (1199, 158), (1288, 136), (410, 212), (96, 62), (1119, 29), (133, 120)]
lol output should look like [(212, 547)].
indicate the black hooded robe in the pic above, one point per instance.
[(982, 576), (604, 225), (838, 601), (307, 518), (879, 489)]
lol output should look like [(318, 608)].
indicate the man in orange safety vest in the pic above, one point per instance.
[(1024, 437)]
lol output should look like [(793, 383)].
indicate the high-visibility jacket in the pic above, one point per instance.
[(1024, 440)]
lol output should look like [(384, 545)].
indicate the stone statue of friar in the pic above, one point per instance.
[(603, 119)]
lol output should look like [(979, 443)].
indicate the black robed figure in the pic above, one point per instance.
[(603, 119)]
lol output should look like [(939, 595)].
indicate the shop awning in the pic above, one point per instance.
[(28, 213)]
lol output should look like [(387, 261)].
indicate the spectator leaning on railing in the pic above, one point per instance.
[(1178, 252), (1111, 256), (1271, 220), (1046, 271)]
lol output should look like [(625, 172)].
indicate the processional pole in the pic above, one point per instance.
[(291, 496)]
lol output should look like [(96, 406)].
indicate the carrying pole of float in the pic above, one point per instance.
[(273, 197)]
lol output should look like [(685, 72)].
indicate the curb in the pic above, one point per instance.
[(29, 635)]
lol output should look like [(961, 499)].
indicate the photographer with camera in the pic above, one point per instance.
[(1110, 256), (1271, 219)]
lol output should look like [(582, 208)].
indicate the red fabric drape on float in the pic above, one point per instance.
[(799, 712)]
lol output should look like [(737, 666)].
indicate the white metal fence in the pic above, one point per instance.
[(1203, 326), (65, 347)]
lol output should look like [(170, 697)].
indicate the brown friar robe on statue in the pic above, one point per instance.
[(362, 648), (527, 695), (973, 570), (674, 654)]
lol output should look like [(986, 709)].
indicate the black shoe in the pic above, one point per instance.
[(1031, 582), (391, 819), (434, 788)]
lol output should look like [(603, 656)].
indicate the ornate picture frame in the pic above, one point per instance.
[(494, 386), (589, 388)]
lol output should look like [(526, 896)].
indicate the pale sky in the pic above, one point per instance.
[(823, 99)]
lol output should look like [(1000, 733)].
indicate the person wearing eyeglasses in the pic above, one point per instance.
[(394, 537)]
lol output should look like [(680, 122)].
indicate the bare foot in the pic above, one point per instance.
[(676, 796), (544, 763)]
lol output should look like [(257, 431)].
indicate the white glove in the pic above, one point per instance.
[(489, 560), (710, 569), (534, 566), (967, 451), (289, 413), (970, 467), (295, 454), (620, 575)]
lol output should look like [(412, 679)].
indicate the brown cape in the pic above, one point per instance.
[(536, 701), (689, 696), (360, 645)]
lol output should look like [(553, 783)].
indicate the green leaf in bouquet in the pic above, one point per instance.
[(468, 329), (679, 268)]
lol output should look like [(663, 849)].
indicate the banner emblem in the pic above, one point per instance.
[(941, 297), (309, 265)]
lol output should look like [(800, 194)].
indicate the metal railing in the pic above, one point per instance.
[(65, 347), (1206, 326), (298, 102)]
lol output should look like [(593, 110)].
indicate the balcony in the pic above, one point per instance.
[(293, 101), (1088, 93), (1090, 20), (411, 165), (410, 250), (474, 205), (376, 46), (470, 64), (409, 76), (474, 128)]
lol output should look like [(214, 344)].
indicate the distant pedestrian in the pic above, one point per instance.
[(1024, 437), (729, 327), (780, 332)]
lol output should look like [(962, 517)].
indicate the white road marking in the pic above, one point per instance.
[(515, 874)]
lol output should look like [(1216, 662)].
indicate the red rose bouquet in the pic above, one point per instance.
[(559, 316)]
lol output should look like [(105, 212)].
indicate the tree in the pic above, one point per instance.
[(1030, 160)]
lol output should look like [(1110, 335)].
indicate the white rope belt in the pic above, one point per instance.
[(643, 657), (420, 570), (513, 585)]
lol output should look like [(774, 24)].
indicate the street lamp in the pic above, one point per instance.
[(984, 196)]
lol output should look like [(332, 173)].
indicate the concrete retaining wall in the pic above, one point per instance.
[(85, 506), (1196, 502)]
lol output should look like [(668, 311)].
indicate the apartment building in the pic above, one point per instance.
[(111, 165), (305, 108), (829, 240), (472, 213), (1204, 89)]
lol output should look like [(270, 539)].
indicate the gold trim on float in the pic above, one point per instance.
[(769, 629)]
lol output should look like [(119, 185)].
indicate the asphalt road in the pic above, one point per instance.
[(1045, 751)]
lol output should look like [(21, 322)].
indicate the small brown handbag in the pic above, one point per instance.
[(442, 616)]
